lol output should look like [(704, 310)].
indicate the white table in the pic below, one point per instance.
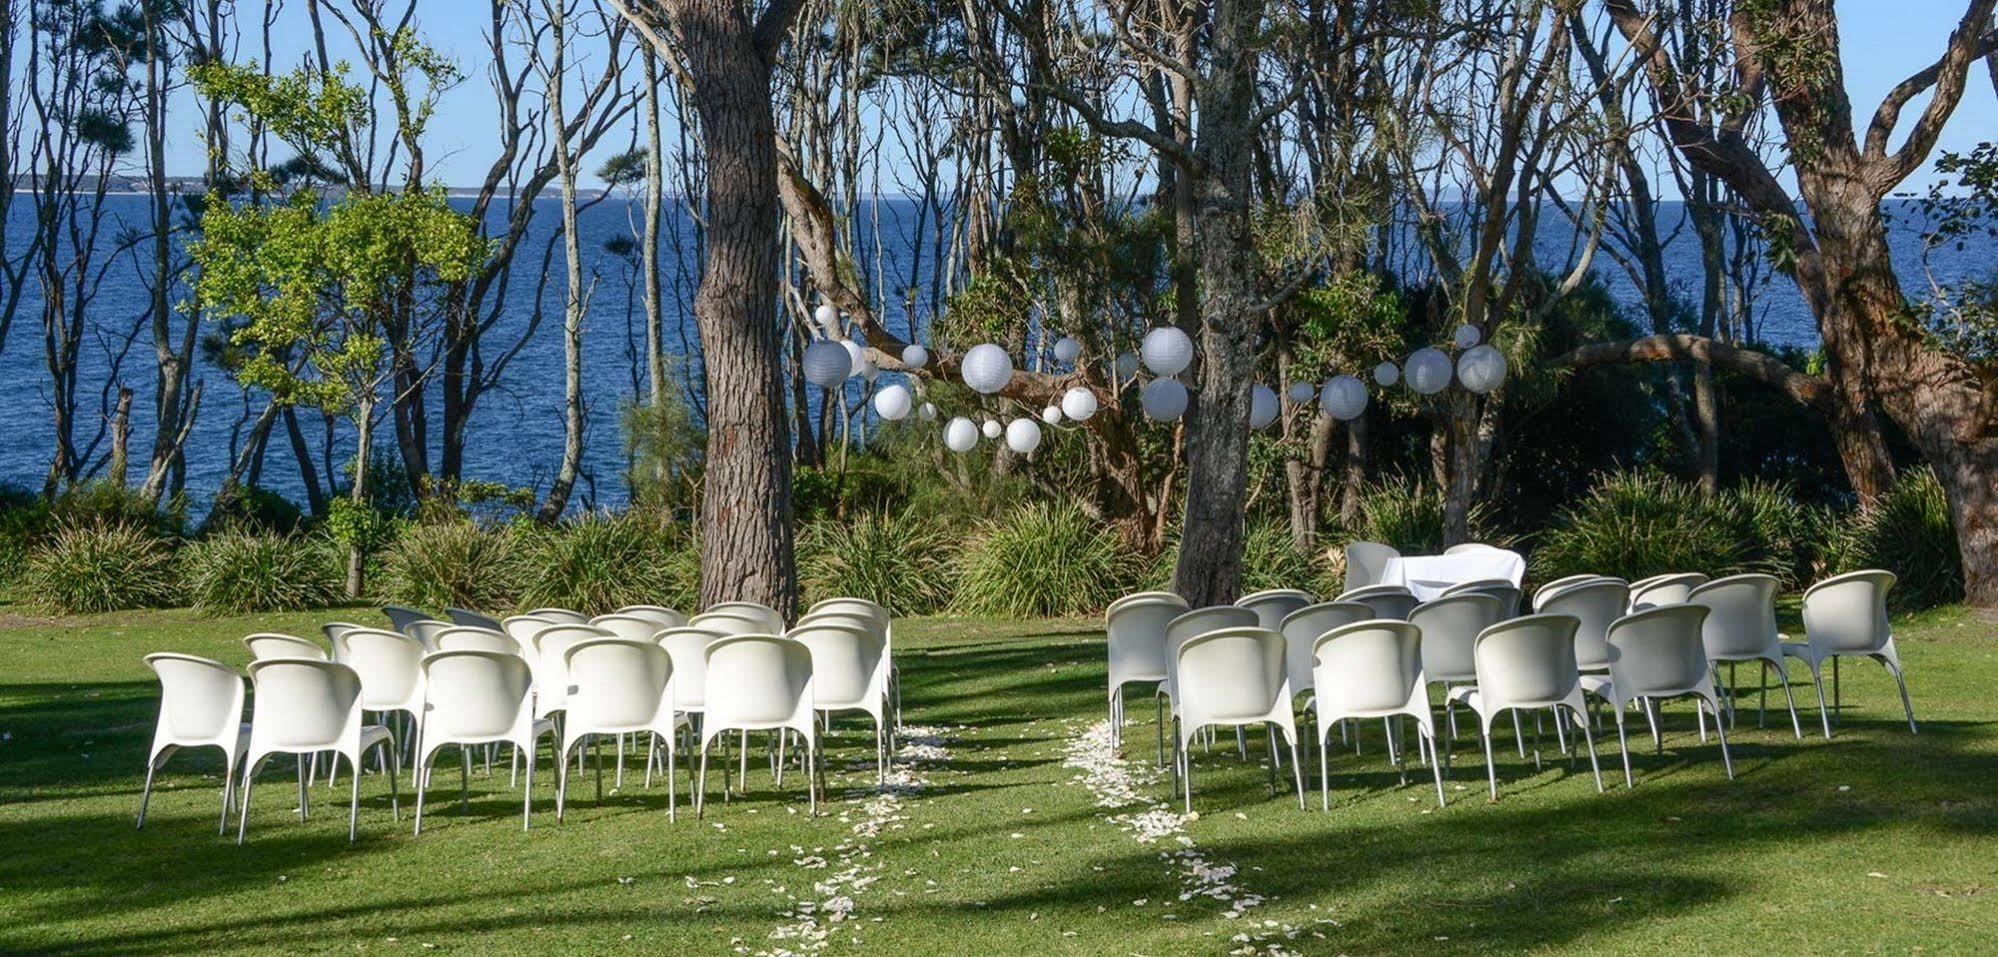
[(1427, 576)]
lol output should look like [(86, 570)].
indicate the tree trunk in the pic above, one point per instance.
[(557, 500)]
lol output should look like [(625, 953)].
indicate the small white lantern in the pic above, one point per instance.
[(1127, 365), (928, 412), (1428, 370), (1466, 336), (1482, 368), (1301, 392), (915, 356), (1387, 374), (1167, 351), (827, 316), (986, 368), (1344, 398), (1023, 436), (960, 435), (992, 428), (856, 357), (893, 403), (827, 363), (1051, 415), (1067, 349), (1078, 403), (1164, 399), (868, 370), (1263, 406)]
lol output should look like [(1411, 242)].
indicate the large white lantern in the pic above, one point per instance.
[(1066, 349), (1078, 403), (856, 357), (1482, 368), (987, 368), (827, 363), (915, 356), (1167, 351), (893, 402), (1262, 407), (1301, 392), (1023, 436), (1428, 370), (827, 316), (1164, 399), (960, 435), (1127, 365), (992, 428), (1466, 336), (1051, 415), (1387, 374), (928, 412), (1344, 398)]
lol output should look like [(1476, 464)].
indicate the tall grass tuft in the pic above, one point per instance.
[(1780, 535), (1271, 560), (1634, 524), (454, 565), (601, 562), (1042, 559), (1908, 532), (242, 571), (1408, 515), (905, 567), (100, 566)]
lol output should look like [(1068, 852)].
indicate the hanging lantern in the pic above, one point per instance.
[(1164, 399), (1428, 370), (1344, 398), (893, 402), (986, 368), (827, 316), (1301, 392), (1387, 374), (992, 428), (928, 412), (1127, 365), (1078, 403), (1051, 415), (1167, 351), (960, 435), (1482, 368), (1262, 407), (1067, 350), (915, 356), (827, 363), (856, 357), (1466, 336), (1023, 436), (868, 370)]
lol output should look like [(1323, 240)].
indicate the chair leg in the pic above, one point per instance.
[(1789, 699), (527, 792), (811, 775), (243, 811), (1324, 775), (419, 780), (228, 794), (464, 780), (1817, 682), (1158, 706), (672, 801), (1491, 767), (304, 806), (1590, 738), (1296, 770), (1762, 703), (1727, 760), (354, 804), (1907, 706), (1435, 769), (561, 782), (146, 794), (1519, 735), (1623, 744)]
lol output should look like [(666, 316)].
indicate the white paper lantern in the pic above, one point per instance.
[(1344, 398), (1127, 365), (960, 435), (1051, 415), (915, 356), (992, 428), (1078, 403), (893, 403), (856, 357), (827, 317), (1387, 374), (1067, 349), (1167, 350), (1164, 399), (928, 412), (1482, 368), (1263, 406), (1428, 370), (827, 363), (986, 368), (1466, 336), (868, 370), (1301, 392), (1023, 436)]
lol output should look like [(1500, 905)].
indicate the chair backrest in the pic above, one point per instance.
[(616, 684), (1301, 630), (1541, 594), (1192, 624), (1664, 590), (853, 619), (1594, 604), (688, 647), (1134, 630), (1742, 619), (1450, 627), (1528, 661), (551, 671), (472, 695), (303, 705), (472, 638), (269, 644), (523, 628), (1462, 547), (1138, 595), (757, 681), (1387, 601), (1657, 652), (1502, 589), (730, 623), (1848, 613), (849, 664), (1234, 674), (200, 700), (402, 616), (560, 616), (332, 630), (666, 617), (756, 611), (1368, 667), (425, 632), (473, 619), (390, 665), (628, 626), (1366, 562), (1273, 605), (851, 606)]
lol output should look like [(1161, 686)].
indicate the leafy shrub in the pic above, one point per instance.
[(254, 509), (904, 566), (454, 564), (1780, 535), (1635, 524), (100, 566), (1042, 559), (242, 571), (106, 502), (1408, 515), (1271, 560), (601, 562), (1908, 532)]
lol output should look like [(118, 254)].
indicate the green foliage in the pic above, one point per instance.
[(1908, 532), (455, 564), (1637, 524), (1408, 515), (665, 446), (100, 566), (1042, 559), (903, 565), (1780, 535), (1271, 560), (254, 509), (602, 562), (244, 571)]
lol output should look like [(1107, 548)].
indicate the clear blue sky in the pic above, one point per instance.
[(1884, 41)]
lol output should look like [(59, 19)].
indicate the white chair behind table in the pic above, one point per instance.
[(551, 668), (560, 616), (1542, 593), (265, 645), (473, 619), (632, 627), (1661, 590), (1528, 664), (1656, 655), (758, 683), (666, 617), (425, 632), (1741, 626), (756, 611), (1502, 589), (476, 697), (1387, 601), (1134, 630), (303, 707), (1234, 677), (1462, 547), (1366, 562), (1372, 669), (849, 673), (474, 638), (201, 706), (1593, 605), (1301, 630), (390, 666), (1273, 605), (618, 686), (1846, 617), (402, 616), (730, 623)]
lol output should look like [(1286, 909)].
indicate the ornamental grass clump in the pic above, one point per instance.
[(904, 567), (455, 565), (244, 571), (1042, 560), (100, 566)]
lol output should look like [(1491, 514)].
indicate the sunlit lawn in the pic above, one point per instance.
[(1874, 842)]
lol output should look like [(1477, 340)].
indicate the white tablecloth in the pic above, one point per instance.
[(1428, 575)]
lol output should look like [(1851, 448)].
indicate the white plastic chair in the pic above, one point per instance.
[(333, 629), (1541, 594), (755, 611), (1450, 627), (390, 666), (666, 617), (1273, 605), (1845, 617), (1301, 630), (474, 638), (1656, 655), (1593, 605), (688, 647), (758, 683), (476, 698), (402, 616), (1191, 624), (266, 645), (550, 664), (1387, 601), (632, 627), (1134, 630), (618, 686), (1140, 595), (1661, 590), (1500, 588), (1371, 669), (1462, 547), (1366, 563), (1528, 663), (201, 706), (560, 616), (473, 619), (1741, 626), (303, 707), (731, 623), (1235, 678), (523, 628), (865, 608), (849, 673), (425, 632)]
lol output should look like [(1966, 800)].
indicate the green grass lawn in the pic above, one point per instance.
[(1874, 842)]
